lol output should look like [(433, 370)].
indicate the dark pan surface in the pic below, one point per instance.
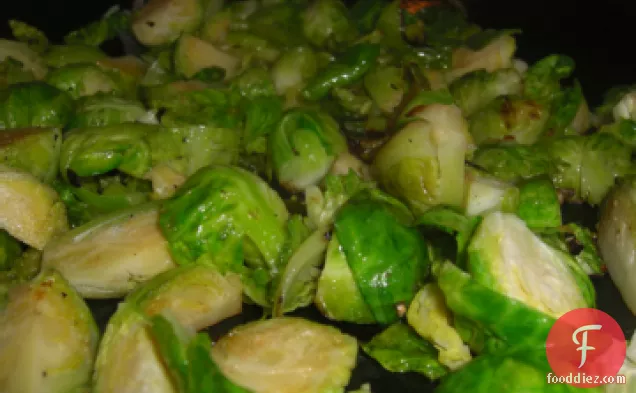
[(598, 35)]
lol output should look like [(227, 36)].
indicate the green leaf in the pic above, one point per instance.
[(114, 22), (28, 34), (422, 99), (399, 349), (539, 204), (452, 222), (542, 80)]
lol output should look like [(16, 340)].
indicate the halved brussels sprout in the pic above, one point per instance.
[(230, 218), (388, 258), (195, 296), (21, 52), (424, 162), (510, 119), (294, 68), (81, 80), (35, 150), (326, 24), (486, 193), (161, 22), (386, 86), (32, 212), (303, 147), (48, 338), (505, 256), (496, 55), (192, 297), (128, 361), (193, 55), (34, 104), (104, 110), (110, 256), (476, 90), (287, 355), (337, 295), (617, 239), (432, 320)]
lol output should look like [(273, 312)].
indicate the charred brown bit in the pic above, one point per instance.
[(8, 138)]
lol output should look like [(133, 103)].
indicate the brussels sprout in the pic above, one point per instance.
[(33, 212), (509, 119), (424, 162), (193, 297), (542, 81), (478, 89), (423, 99), (128, 349), (303, 148), (103, 259), (294, 68), (96, 33), (34, 104), (21, 52), (504, 318), (97, 150), (216, 28), (512, 162), (81, 80), (628, 370), (35, 150), (126, 70), (505, 256), (388, 258), (400, 349), (430, 318), (353, 100), (297, 286), (46, 351), (336, 283), (62, 55), (161, 22), (616, 239), (496, 55), (589, 165), (105, 110), (89, 198), (386, 86), (280, 355), (193, 55), (218, 214), (570, 113), (327, 25), (485, 193), (190, 148)]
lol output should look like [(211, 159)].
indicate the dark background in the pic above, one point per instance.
[(598, 35)]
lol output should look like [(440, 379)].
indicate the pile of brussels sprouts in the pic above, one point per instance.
[(392, 167)]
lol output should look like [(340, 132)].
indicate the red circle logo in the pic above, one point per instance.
[(585, 348)]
